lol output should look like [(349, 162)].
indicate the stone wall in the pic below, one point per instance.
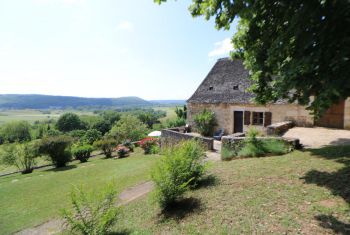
[(279, 128), (347, 114), (280, 113), (174, 136)]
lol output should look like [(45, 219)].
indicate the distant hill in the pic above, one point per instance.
[(12, 101), (168, 102)]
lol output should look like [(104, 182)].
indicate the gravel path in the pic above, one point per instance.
[(317, 137)]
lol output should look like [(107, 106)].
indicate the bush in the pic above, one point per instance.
[(181, 167), (205, 122), (57, 148), (106, 145), (122, 151), (16, 131), (147, 144), (91, 136), (82, 152), (155, 149), (129, 145), (129, 128), (175, 122), (22, 156), (77, 134), (92, 214), (69, 122), (53, 132)]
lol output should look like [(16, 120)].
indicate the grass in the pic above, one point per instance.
[(29, 200), (170, 113), (300, 192)]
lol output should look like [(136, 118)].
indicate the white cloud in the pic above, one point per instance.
[(125, 26), (221, 48)]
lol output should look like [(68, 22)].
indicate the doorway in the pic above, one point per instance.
[(237, 121)]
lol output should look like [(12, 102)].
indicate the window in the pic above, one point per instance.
[(235, 87), (211, 88), (258, 118)]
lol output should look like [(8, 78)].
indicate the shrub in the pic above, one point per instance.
[(175, 122), (22, 156), (91, 136), (92, 214), (129, 128), (122, 151), (155, 149), (16, 131), (57, 148), (205, 122), (106, 145), (129, 145), (53, 132), (77, 134), (180, 168), (68, 122), (147, 144), (82, 152)]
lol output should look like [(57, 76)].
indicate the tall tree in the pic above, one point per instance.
[(296, 50)]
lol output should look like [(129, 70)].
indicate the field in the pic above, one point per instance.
[(28, 200), (170, 112), (32, 115), (304, 192)]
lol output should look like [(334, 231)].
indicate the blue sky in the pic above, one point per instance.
[(106, 48)]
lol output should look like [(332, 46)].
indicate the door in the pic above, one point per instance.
[(237, 121), (333, 117)]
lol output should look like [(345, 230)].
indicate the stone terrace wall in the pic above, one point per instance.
[(174, 136)]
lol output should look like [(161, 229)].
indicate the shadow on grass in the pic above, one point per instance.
[(338, 182), (207, 181), (330, 222), (62, 168), (181, 209)]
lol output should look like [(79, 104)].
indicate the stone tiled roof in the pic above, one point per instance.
[(227, 82)]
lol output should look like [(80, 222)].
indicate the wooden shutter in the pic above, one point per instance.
[(246, 117), (268, 118)]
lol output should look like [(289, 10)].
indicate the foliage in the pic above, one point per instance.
[(181, 167), (284, 45), (106, 145), (148, 143), (155, 149), (175, 122), (205, 122), (82, 152), (111, 116), (129, 128), (20, 155), (122, 151), (57, 148), (181, 113), (16, 131), (92, 214), (77, 134), (102, 125), (92, 135), (129, 145), (69, 122), (227, 153), (52, 132), (148, 118)]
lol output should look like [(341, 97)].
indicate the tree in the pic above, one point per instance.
[(149, 118), (129, 128), (181, 113), (16, 131), (102, 125), (69, 122), (295, 50), (106, 145), (22, 156), (91, 136), (57, 148)]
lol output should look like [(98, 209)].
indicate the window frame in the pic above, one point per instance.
[(258, 118)]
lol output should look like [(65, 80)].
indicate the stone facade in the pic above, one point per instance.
[(347, 114), (224, 114)]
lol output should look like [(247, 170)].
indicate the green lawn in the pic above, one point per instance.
[(28, 200), (299, 193)]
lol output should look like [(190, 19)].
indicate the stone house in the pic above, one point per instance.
[(223, 91)]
